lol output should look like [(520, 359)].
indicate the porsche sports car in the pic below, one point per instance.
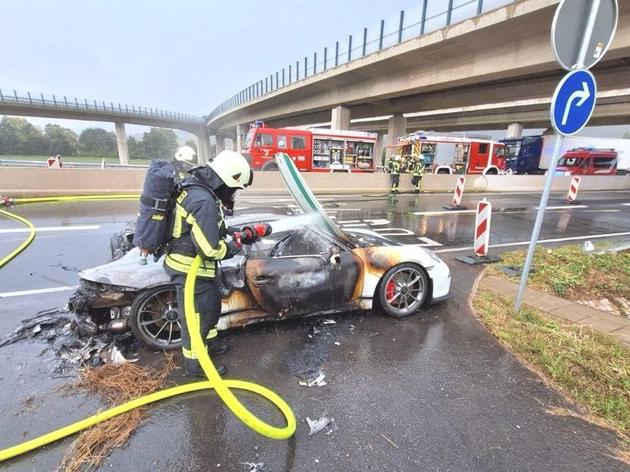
[(307, 266)]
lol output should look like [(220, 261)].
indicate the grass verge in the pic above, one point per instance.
[(592, 368), (571, 273)]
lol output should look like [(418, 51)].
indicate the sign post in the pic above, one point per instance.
[(591, 24)]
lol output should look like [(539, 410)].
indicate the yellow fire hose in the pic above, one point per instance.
[(29, 239), (222, 387)]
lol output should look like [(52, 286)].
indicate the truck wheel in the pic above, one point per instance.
[(491, 171), (154, 319), (403, 290), (442, 171)]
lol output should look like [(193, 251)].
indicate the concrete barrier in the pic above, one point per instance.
[(28, 181)]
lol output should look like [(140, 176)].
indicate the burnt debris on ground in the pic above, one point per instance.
[(58, 329)]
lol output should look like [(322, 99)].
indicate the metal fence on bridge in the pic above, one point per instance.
[(423, 18), (85, 105)]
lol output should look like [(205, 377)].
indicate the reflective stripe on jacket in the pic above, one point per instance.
[(198, 228)]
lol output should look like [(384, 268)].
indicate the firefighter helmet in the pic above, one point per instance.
[(185, 154), (233, 169)]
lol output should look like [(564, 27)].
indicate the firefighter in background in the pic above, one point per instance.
[(199, 229), (393, 166), (417, 172)]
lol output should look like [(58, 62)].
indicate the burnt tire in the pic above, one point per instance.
[(154, 319), (402, 290)]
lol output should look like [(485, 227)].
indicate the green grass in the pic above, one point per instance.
[(593, 368), (571, 273), (81, 159)]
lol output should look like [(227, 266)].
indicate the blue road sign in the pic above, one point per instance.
[(573, 102)]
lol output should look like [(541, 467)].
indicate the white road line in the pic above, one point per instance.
[(565, 207), (446, 212), (525, 243), (36, 292), (626, 204), (45, 229), (344, 222)]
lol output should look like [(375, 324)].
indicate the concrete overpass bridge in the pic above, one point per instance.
[(91, 110), (493, 69)]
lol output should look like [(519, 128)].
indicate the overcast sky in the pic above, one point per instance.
[(184, 55)]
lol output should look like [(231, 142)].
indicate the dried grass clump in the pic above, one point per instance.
[(116, 384)]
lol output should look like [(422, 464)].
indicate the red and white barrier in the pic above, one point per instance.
[(573, 189), (459, 191), (482, 228)]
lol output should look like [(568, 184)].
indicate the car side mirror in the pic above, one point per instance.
[(335, 257)]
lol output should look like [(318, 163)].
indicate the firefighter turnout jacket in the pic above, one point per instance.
[(198, 229)]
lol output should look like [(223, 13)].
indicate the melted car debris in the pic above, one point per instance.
[(319, 425), (317, 380), (59, 329), (254, 466)]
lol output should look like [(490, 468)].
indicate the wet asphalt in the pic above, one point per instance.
[(433, 392)]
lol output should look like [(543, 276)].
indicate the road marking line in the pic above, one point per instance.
[(45, 229), (626, 204), (36, 292), (566, 207), (446, 212), (542, 241)]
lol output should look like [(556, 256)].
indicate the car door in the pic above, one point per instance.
[(347, 275), (296, 277)]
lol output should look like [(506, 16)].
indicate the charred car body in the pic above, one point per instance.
[(307, 266)]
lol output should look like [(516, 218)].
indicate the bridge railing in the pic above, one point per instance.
[(423, 18), (73, 103)]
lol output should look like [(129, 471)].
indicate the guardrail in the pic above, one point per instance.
[(411, 23), (63, 102), (95, 165)]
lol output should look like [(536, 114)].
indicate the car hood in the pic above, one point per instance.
[(304, 198)]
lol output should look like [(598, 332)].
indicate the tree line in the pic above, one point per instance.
[(20, 137)]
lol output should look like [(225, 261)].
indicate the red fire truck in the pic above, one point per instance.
[(453, 154), (588, 161), (314, 150)]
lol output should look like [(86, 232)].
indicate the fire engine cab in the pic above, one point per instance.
[(312, 150), (453, 154)]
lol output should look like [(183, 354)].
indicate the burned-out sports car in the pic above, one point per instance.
[(307, 266)]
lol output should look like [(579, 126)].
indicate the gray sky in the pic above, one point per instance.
[(185, 55)]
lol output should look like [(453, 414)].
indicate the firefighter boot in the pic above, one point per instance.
[(193, 368), (216, 347)]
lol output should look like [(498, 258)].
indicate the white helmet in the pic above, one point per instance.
[(233, 169), (185, 154)]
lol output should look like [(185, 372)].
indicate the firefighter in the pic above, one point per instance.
[(393, 165), (199, 229), (417, 172)]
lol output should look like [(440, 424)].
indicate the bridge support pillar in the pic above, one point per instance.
[(241, 132), (203, 146), (380, 148), (515, 130), (121, 142), (340, 118), (396, 127), (220, 143)]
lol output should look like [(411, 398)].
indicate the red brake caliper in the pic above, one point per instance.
[(389, 290)]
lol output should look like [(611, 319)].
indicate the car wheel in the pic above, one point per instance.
[(402, 290), (154, 319)]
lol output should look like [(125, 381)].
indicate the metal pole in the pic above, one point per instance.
[(336, 53), (349, 48), (325, 58), (364, 41), (400, 25), (297, 70), (380, 36), (305, 67), (539, 220), (479, 7), (290, 74), (314, 63), (588, 32), (449, 12)]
